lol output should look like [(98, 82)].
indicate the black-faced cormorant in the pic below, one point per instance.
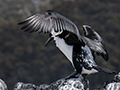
[(67, 38)]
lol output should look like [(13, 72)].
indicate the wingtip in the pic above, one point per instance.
[(20, 23), (105, 56)]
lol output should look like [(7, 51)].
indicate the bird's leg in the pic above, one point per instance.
[(73, 75), (85, 82)]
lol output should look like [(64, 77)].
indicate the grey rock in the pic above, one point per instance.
[(62, 84), (3, 86), (114, 84)]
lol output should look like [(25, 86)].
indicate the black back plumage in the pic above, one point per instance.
[(71, 38)]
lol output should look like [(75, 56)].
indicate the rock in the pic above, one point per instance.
[(22, 86), (62, 84), (114, 84), (117, 78), (3, 86), (71, 84)]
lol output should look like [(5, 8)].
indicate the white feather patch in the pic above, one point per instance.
[(85, 71), (65, 48)]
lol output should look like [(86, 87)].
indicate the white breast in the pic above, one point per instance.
[(65, 48)]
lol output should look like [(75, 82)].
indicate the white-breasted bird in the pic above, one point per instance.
[(67, 38), (94, 42)]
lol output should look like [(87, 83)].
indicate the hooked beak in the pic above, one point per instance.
[(48, 41)]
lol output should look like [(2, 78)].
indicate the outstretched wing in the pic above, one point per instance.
[(94, 41), (45, 22)]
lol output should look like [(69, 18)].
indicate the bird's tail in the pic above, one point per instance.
[(105, 70)]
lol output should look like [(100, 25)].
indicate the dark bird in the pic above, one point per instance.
[(67, 38), (94, 42)]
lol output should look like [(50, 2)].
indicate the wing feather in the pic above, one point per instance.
[(45, 22), (94, 41)]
